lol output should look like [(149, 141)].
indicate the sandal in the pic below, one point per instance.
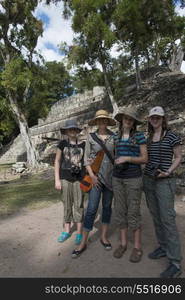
[(78, 238), (118, 253), (136, 255), (107, 246), (63, 237), (77, 253)]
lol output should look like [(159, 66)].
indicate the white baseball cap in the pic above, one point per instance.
[(157, 110)]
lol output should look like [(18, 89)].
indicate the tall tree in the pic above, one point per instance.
[(19, 31), (93, 43), (139, 23)]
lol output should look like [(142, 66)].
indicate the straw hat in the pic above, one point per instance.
[(102, 114), (69, 124), (129, 111)]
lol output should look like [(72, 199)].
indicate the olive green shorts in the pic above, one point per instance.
[(73, 200)]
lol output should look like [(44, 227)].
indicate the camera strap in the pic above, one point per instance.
[(100, 142), (69, 146)]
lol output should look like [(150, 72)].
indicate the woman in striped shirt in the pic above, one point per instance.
[(131, 152), (164, 152)]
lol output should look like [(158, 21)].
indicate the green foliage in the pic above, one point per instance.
[(16, 75), (32, 87), (51, 83), (85, 79)]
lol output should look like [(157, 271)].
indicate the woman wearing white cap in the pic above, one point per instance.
[(164, 151)]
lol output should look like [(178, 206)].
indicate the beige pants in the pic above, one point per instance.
[(73, 200), (127, 200)]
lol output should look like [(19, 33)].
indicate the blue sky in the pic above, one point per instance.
[(57, 30)]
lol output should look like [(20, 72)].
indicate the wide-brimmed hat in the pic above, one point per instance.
[(128, 111), (69, 124), (156, 111), (102, 114)]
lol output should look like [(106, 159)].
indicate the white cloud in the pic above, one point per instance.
[(56, 31)]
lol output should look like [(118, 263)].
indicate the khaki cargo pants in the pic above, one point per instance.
[(127, 200), (73, 200)]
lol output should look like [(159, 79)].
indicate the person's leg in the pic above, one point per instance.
[(149, 185), (106, 213), (120, 208), (68, 216), (124, 236), (166, 193), (134, 188), (92, 208), (137, 238), (78, 210)]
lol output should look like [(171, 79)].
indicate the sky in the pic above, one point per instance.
[(57, 30)]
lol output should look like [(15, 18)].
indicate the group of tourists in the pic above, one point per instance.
[(131, 163)]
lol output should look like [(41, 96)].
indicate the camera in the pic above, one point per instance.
[(154, 170), (121, 167), (75, 170)]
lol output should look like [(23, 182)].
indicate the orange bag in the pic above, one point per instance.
[(86, 182)]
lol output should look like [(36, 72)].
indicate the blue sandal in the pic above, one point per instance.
[(63, 237), (78, 238)]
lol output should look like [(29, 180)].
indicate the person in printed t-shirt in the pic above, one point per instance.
[(69, 171)]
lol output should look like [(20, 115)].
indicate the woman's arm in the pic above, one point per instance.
[(141, 159), (177, 150), (58, 158)]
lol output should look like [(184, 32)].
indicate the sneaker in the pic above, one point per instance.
[(78, 238), (63, 237), (157, 253), (171, 272)]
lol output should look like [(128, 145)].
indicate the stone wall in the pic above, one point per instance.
[(81, 107)]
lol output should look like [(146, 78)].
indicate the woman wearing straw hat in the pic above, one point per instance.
[(165, 154), (69, 171), (130, 153), (102, 182)]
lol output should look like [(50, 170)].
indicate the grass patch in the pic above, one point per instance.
[(32, 192)]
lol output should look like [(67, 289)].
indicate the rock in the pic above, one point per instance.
[(18, 167)]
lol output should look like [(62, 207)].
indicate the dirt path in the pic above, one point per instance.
[(29, 248)]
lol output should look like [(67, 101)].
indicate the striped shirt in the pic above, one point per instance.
[(129, 147), (160, 153)]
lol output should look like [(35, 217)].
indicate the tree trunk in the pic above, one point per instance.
[(109, 90), (32, 154), (176, 58), (138, 75)]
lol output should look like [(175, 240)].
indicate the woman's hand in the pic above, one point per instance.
[(122, 159), (58, 185), (163, 174), (95, 181)]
